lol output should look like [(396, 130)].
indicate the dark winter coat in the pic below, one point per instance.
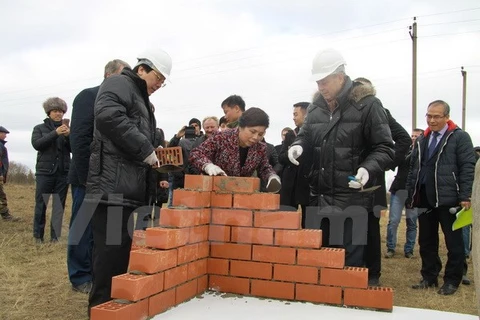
[(295, 188), (399, 135), (449, 171), (3, 159), (356, 134), (123, 136), (81, 135), (53, 150)]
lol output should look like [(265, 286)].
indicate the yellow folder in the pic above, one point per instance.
[(464, 218)]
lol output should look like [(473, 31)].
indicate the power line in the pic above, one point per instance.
[(450, 22), (449, 34), (449, 12)]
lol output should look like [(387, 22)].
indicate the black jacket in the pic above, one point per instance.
[(356, 134), (448, 173), (295, 188), (53, 150), (81, 135), (3, 159), (123, 136)]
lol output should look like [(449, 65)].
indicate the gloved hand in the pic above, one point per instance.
[(293, 153), (213, 170), (361, 179), (151, 159), (273, 184)]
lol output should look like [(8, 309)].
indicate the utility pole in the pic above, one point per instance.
[(413, 35), (464, 97)]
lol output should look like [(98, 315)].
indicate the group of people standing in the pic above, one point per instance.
[(332, 165)]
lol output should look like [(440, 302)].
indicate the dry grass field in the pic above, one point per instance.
[(34, 280)]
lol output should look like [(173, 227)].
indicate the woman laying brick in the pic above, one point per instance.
[(238, 152)]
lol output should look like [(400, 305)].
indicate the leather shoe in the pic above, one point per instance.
[(465, 281), (447, 289), (424, 284)]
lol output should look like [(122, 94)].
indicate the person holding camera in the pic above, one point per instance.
[(51, 140), (239, 152), (185, 138)]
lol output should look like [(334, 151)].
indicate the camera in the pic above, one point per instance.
[(190, 132)]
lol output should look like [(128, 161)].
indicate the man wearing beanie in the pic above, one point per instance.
[(186, 140), (51, 140)]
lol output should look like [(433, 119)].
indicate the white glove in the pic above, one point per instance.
[(293, 153), (361, 179), (213, 170), (151, 159), (274, 184)]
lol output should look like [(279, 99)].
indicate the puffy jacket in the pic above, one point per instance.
[(356, 134), (449, 171), (53, 149), (123, 136)]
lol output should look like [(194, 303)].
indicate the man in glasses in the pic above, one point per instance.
[(440, 179), (120, 175)]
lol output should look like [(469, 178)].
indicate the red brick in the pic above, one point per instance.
[(133, 248), (205, 216), (198, 234), (196, 269), (161, 302), (272, 289), (373, 297), (257, 201), (198, 182), (350, 277), (164, 238), (203, 250), (219, 233), (305, 238), (134, 287), (325, 257), (318, 294), (138, 238), (236, 184), (175, 276), (229, 284), (218, 266), (191, 199), (277, 220), (248, 269), (231, 217), (202, 284), (273, 254), (187, 253), (186, 291), (252, 235), (221, 200), (117, 311), (152, 261), (231, 251), (295, 273), (175, 217)]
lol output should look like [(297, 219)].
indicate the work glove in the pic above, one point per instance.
[(273, 184), (151, 159), (213, 170), (361, 179), (293, 153)]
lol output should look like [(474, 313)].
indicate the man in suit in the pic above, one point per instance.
[(440, 177), (80, 240)]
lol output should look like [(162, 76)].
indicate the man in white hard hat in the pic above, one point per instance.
[(349, 142), (120, 176)]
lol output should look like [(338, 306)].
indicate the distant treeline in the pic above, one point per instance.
[(20, 174)]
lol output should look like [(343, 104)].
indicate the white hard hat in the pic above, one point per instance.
[(325, 63), (158, 60)]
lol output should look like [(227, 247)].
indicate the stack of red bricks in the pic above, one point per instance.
[(224, 235)]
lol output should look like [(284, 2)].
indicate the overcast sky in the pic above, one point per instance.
[(259, 49)]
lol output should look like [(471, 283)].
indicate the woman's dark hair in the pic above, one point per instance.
[(146, 67), (222, 120), (254, 117)]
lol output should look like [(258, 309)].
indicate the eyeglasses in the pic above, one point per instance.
[(160, 79), (435, 117)]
